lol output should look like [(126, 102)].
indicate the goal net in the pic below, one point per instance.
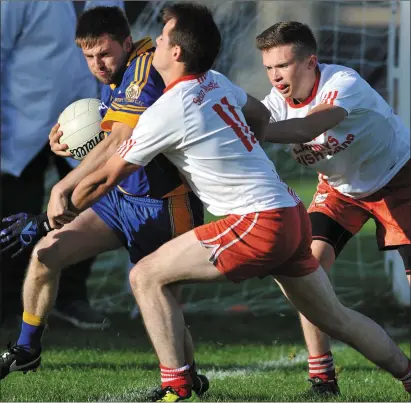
[(358, 34)]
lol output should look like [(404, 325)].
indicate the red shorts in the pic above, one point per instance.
[(260, 244), (390, 207)]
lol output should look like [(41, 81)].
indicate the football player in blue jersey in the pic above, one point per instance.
[(146, 210)]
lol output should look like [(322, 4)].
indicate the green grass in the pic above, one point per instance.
[(247, 358)]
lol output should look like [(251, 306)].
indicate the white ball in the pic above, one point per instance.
[(80, 124)]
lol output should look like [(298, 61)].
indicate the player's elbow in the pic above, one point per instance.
[(257, 127), (99, 186), (116, 173)]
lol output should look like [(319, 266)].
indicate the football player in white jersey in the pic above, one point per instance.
[(341, 127), (199, 125)]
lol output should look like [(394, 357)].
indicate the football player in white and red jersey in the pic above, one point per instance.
[(341, 127), (199, 125)]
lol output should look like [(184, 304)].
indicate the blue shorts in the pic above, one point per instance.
[(143, 224)]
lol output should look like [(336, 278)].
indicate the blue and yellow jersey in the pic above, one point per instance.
[(140, 87)]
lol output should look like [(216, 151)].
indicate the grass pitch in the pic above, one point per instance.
[(247, 358)]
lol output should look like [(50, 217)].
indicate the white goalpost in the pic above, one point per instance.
[(399, 99)]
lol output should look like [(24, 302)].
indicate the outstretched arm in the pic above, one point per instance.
[(99, 183), (302, 130)]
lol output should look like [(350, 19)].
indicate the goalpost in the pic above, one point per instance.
[(399, 98)]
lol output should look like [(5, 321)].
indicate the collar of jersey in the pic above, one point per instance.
[(139, 47), (200, 77), (291, 103)]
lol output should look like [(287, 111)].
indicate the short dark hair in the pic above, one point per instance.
[(289, 33), (196, 33), (98, 21)]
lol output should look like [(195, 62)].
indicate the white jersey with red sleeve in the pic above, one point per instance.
[(365, 151), (199, 126)]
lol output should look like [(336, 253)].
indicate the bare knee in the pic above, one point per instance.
[(40, 267), (324, 253), (141, 276), (133, 278), (148, 274), (47, 254)]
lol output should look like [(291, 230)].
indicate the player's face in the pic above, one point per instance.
[(108, 58), (164, 54), (291, 76)]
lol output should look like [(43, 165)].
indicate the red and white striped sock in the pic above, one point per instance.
[(406, 380), (177, 378), (322, 367)]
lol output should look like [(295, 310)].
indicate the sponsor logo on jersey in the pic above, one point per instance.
[(126, 101), (212, 85), (309, 154)]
